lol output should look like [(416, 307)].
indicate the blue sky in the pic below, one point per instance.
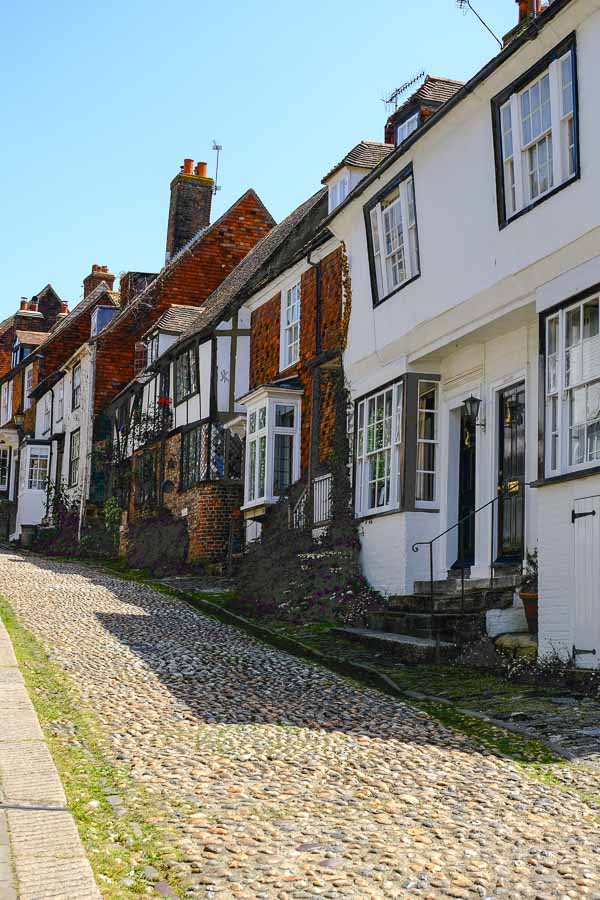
[(102, 101)]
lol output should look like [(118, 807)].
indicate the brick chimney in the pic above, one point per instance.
[(96, 277), (189, 210)]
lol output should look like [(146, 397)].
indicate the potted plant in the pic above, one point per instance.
[(528, 592)]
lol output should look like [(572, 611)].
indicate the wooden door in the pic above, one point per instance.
[(511, 473), (586, 580)]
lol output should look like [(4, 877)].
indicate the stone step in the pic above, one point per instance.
[(450, 626), (406, 647), (475, 601), (453, 585)]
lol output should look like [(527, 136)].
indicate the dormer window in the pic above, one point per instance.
[(339, 190), (405, 128)]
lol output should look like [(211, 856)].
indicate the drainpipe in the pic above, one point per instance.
[(316, 387)]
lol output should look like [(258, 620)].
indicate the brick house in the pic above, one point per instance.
[(34, 390), (184, 459)]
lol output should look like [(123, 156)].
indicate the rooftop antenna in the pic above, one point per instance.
[(395, 95), (465, 5), (217, 148)]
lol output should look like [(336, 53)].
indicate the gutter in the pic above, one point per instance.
[(530, 33)]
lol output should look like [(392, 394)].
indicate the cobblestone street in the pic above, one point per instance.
[(285, 781)]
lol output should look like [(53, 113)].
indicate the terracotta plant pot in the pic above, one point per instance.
[(530, 603)]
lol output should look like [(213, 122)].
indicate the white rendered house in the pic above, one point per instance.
[(475, 265)]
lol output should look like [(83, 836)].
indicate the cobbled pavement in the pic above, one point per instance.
[(296, 783)]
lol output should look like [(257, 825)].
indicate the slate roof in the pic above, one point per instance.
[(249, 274), (365, 155), (31, 337), (176, 319)]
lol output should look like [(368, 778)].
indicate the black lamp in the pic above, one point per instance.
[(472, 406), (19, 420)]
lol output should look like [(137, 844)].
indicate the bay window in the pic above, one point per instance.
[(272, 445), (427, 442), (572, 387), (37, 477), (392, 237), (536, 133), (395, 443), (378, 441)]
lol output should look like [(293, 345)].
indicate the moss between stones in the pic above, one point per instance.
[(117, 847)]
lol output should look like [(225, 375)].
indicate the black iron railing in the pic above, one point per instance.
[(514, 489)]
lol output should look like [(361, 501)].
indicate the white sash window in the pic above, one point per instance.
[(537, 128), (394, 239), (572, 435)]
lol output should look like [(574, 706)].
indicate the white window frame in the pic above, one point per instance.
[(5, 402), (60, 401), (47, 420), (560, 388), (4, 468), (368, 450), (37, 474), (74, 481), (76, 387), (406, 128), (28, 387), (434, 442), (261, 432), (396, 207), (291, 299), (338, 190), (554, 137)]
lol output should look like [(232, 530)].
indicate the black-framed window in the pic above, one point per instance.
[(186, 374), (392, 237), (396, 447), (536, 133), (191, 442), (76, 387), (570, 386), (74, 454), (145, 479)]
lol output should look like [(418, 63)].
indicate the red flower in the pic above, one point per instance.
[(164, 401)]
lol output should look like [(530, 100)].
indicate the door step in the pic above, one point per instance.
[(472, 585), (404, 646)]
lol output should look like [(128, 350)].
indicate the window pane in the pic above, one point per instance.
[(566, 72), (573, 327), (552, 335), (427, 395), (425, 486), (284, 416), (577, 445), (262, 418), (593, 401), (427, 426), (577, 406), (426, 457), (593, 442), (590, 318), (282, 474), (262, 458), (252, 471), (252, 426)]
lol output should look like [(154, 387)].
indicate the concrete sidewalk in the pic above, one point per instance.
[(41, 854)]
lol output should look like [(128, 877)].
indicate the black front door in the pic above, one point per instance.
[(466, 493), (511, 473)]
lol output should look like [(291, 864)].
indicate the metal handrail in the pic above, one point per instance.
[(415, 547)]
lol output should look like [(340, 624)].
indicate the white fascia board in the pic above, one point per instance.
[(568, 284), (266, 391), (290, 276)]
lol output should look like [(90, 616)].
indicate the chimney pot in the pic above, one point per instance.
[(64, 308), (188, 167), (24, 304), (33, 305), (201, 169), (96, 277)]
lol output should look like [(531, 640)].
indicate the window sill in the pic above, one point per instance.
[(575, 475), (397, 290), (504, 222), (367, 517)]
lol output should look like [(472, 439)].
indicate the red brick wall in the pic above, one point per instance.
[(211, 508), (265, 339), (190, 281)]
